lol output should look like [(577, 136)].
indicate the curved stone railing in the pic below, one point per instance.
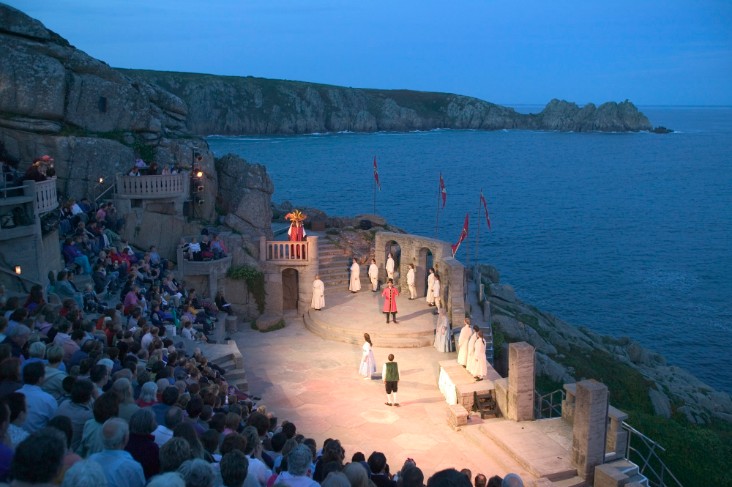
[(153, 187), (46, 196)]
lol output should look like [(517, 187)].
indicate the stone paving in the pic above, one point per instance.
[(314, 383)]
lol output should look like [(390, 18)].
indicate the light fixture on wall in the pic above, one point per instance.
[(18, 270)]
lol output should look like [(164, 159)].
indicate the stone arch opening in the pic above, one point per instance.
[(290, 288)]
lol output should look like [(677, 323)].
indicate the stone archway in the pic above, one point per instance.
[(290, 289)]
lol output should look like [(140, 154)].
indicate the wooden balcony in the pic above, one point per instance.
[(46, 196), (153, 187)]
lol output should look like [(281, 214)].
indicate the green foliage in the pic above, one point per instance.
[(255, 282), (499, 339), (696, 455)]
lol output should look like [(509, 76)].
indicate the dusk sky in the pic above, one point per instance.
[(653, 52)]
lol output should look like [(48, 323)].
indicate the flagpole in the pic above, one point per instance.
[(437, 221), (477, 233)]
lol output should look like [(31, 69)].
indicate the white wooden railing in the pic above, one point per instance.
[(46, 196), (153, 187)]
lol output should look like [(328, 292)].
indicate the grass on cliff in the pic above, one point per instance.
[(697, 455)]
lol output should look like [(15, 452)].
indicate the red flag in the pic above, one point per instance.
[(463, 236), (485, 208), (376, 174), (443, 191)]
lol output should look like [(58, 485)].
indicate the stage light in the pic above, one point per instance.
[(101, 180), (18, 270), (199, 174)]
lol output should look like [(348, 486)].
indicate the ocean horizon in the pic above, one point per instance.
[(627, 234)]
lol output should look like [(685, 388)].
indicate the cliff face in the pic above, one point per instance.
[(94, 120), (228, 105)]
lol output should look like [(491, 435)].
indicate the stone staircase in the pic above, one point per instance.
[(334, 264)]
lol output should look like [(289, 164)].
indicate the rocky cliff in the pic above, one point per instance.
[(94, 120), (229, 105)]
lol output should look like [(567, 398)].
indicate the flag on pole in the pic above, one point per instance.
[(376, 174), (463, 236), (485, 208), (443, 191)]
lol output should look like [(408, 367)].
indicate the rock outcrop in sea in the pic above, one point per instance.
[(231, 105)]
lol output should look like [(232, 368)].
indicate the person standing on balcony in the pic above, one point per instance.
[(354, 284), (318, 301), (135, 171)]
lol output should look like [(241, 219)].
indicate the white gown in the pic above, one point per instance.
[(471, 352), (374, 276), (480, 363), (368, 362), (355, 282), (318, 294), (430, 298), (390, 268), (465, 335), (441, 333)]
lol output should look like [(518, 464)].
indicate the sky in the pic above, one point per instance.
[(512, 52)]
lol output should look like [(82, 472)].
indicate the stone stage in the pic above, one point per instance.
[(347, 316)]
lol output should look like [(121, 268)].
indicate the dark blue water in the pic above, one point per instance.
[(627, 234)]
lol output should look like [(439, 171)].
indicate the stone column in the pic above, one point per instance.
[(590, 423), (520, 382), (263, 248)]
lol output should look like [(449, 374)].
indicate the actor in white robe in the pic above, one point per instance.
[(436, 290), (390, 267), (318, 294), (480, 362), (430, 298), (411, 283), (441, 333), (368, 362), (471, 350), (465, 334), (374, 275), (354, 285)]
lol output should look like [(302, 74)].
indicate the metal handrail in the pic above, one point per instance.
[(548, 403), (649, 463)]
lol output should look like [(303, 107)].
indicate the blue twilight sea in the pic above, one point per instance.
[(628, 234)]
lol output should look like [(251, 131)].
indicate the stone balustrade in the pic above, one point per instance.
[(153, 187), (278, 251)]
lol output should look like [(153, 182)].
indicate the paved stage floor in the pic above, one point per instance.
[(314, 383)]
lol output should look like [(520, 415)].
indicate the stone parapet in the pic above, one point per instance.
[(520, 382)]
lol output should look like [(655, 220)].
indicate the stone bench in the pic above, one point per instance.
[(457, 416)]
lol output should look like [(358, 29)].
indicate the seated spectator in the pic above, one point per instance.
[(92, 439), (234, 467), (218, 247), (86, 473), (164, 432), (17, 339), (35, 299), (197, 473), (120, 468), (63, 424), (9, 376), (148, 394), (258, 471), (38, 458), (141, 444), (135, 171), (72, 255), (41, 405), (448, 478), (377, 464), (53, 383), (298, 463), (78, 408), (173, 454), (222, 304), (18, 415)]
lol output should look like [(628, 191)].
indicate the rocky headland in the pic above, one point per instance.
[(232, 105)]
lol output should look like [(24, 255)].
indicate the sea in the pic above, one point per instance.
[(627, 234)]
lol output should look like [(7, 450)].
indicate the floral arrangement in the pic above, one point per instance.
[(296, 216)]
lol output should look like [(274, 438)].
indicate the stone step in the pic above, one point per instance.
[(396, 338), (570, 482)]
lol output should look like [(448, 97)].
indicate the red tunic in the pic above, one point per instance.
[(390, 304)]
